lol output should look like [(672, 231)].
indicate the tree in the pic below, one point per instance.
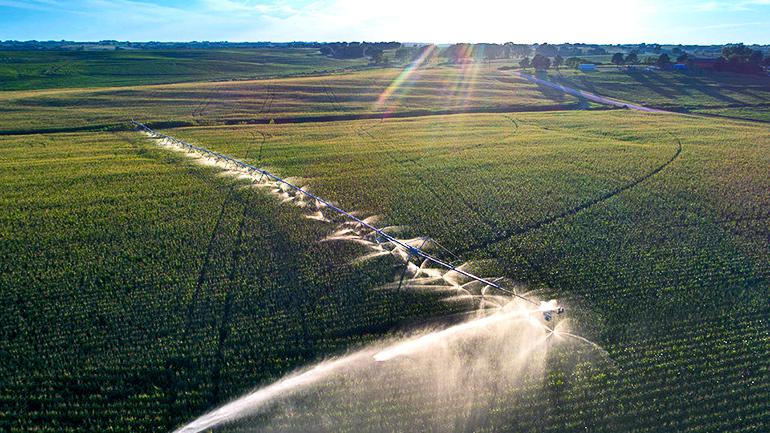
[(541, 62), (632, 58), (403, 54), (740, 58), (683, 58), (490, 52), (739, 50), (664, 62), (426, 53), (519, 50), (376, 55), (524, 63), (720, 64), (755, 58), (557, 61), (569, 51), (597, 51), (506, 50), (617, 59), (573, 62), (459, 53), (546, 50)]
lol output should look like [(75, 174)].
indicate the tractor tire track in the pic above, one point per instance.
[(333, 99), (267, 103), (263, 139), (199, 111), (506, 235), (480, 145), (515, 125)]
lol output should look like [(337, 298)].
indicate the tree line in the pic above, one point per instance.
[(357, 50), (742, 59), (737, 58)]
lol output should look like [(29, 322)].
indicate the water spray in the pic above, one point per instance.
[(548, 309)]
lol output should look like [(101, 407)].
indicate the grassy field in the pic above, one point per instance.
[(365, 93), (139, 290), (673, 90), (758, 114), (25, 70)]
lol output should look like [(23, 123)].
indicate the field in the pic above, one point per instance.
[(140, 289), (331, 97), (25, 70), (675, 91), (759, 114)]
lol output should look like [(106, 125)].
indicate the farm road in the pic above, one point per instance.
[(587, 95)]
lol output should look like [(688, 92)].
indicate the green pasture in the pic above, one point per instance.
[(26, 70)]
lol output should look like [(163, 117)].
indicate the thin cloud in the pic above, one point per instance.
[(35, 5)]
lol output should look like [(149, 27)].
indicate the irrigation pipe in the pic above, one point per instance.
[(418, 252)]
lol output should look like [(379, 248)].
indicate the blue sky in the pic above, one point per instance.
[(591, 21)]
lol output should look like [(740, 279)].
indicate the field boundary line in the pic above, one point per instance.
[(122, 126), (579, 208)]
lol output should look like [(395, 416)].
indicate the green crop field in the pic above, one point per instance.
[(678, 91), (26, 70), (139, 289), (759, 114), (119, 261), (432, 90)]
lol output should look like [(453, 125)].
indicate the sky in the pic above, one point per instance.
[(438, 21)]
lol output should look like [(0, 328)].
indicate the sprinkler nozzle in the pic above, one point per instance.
[(550, 308)]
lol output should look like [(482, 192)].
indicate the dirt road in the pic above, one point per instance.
[(587, 95)]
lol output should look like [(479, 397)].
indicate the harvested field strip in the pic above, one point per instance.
[(332, 98), (121, 125)]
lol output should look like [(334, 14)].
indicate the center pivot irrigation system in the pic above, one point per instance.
[(547, 308)]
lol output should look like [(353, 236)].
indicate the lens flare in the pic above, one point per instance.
[(402, 78)]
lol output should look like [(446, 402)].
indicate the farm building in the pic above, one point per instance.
[(680, 66), (587, 67)]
